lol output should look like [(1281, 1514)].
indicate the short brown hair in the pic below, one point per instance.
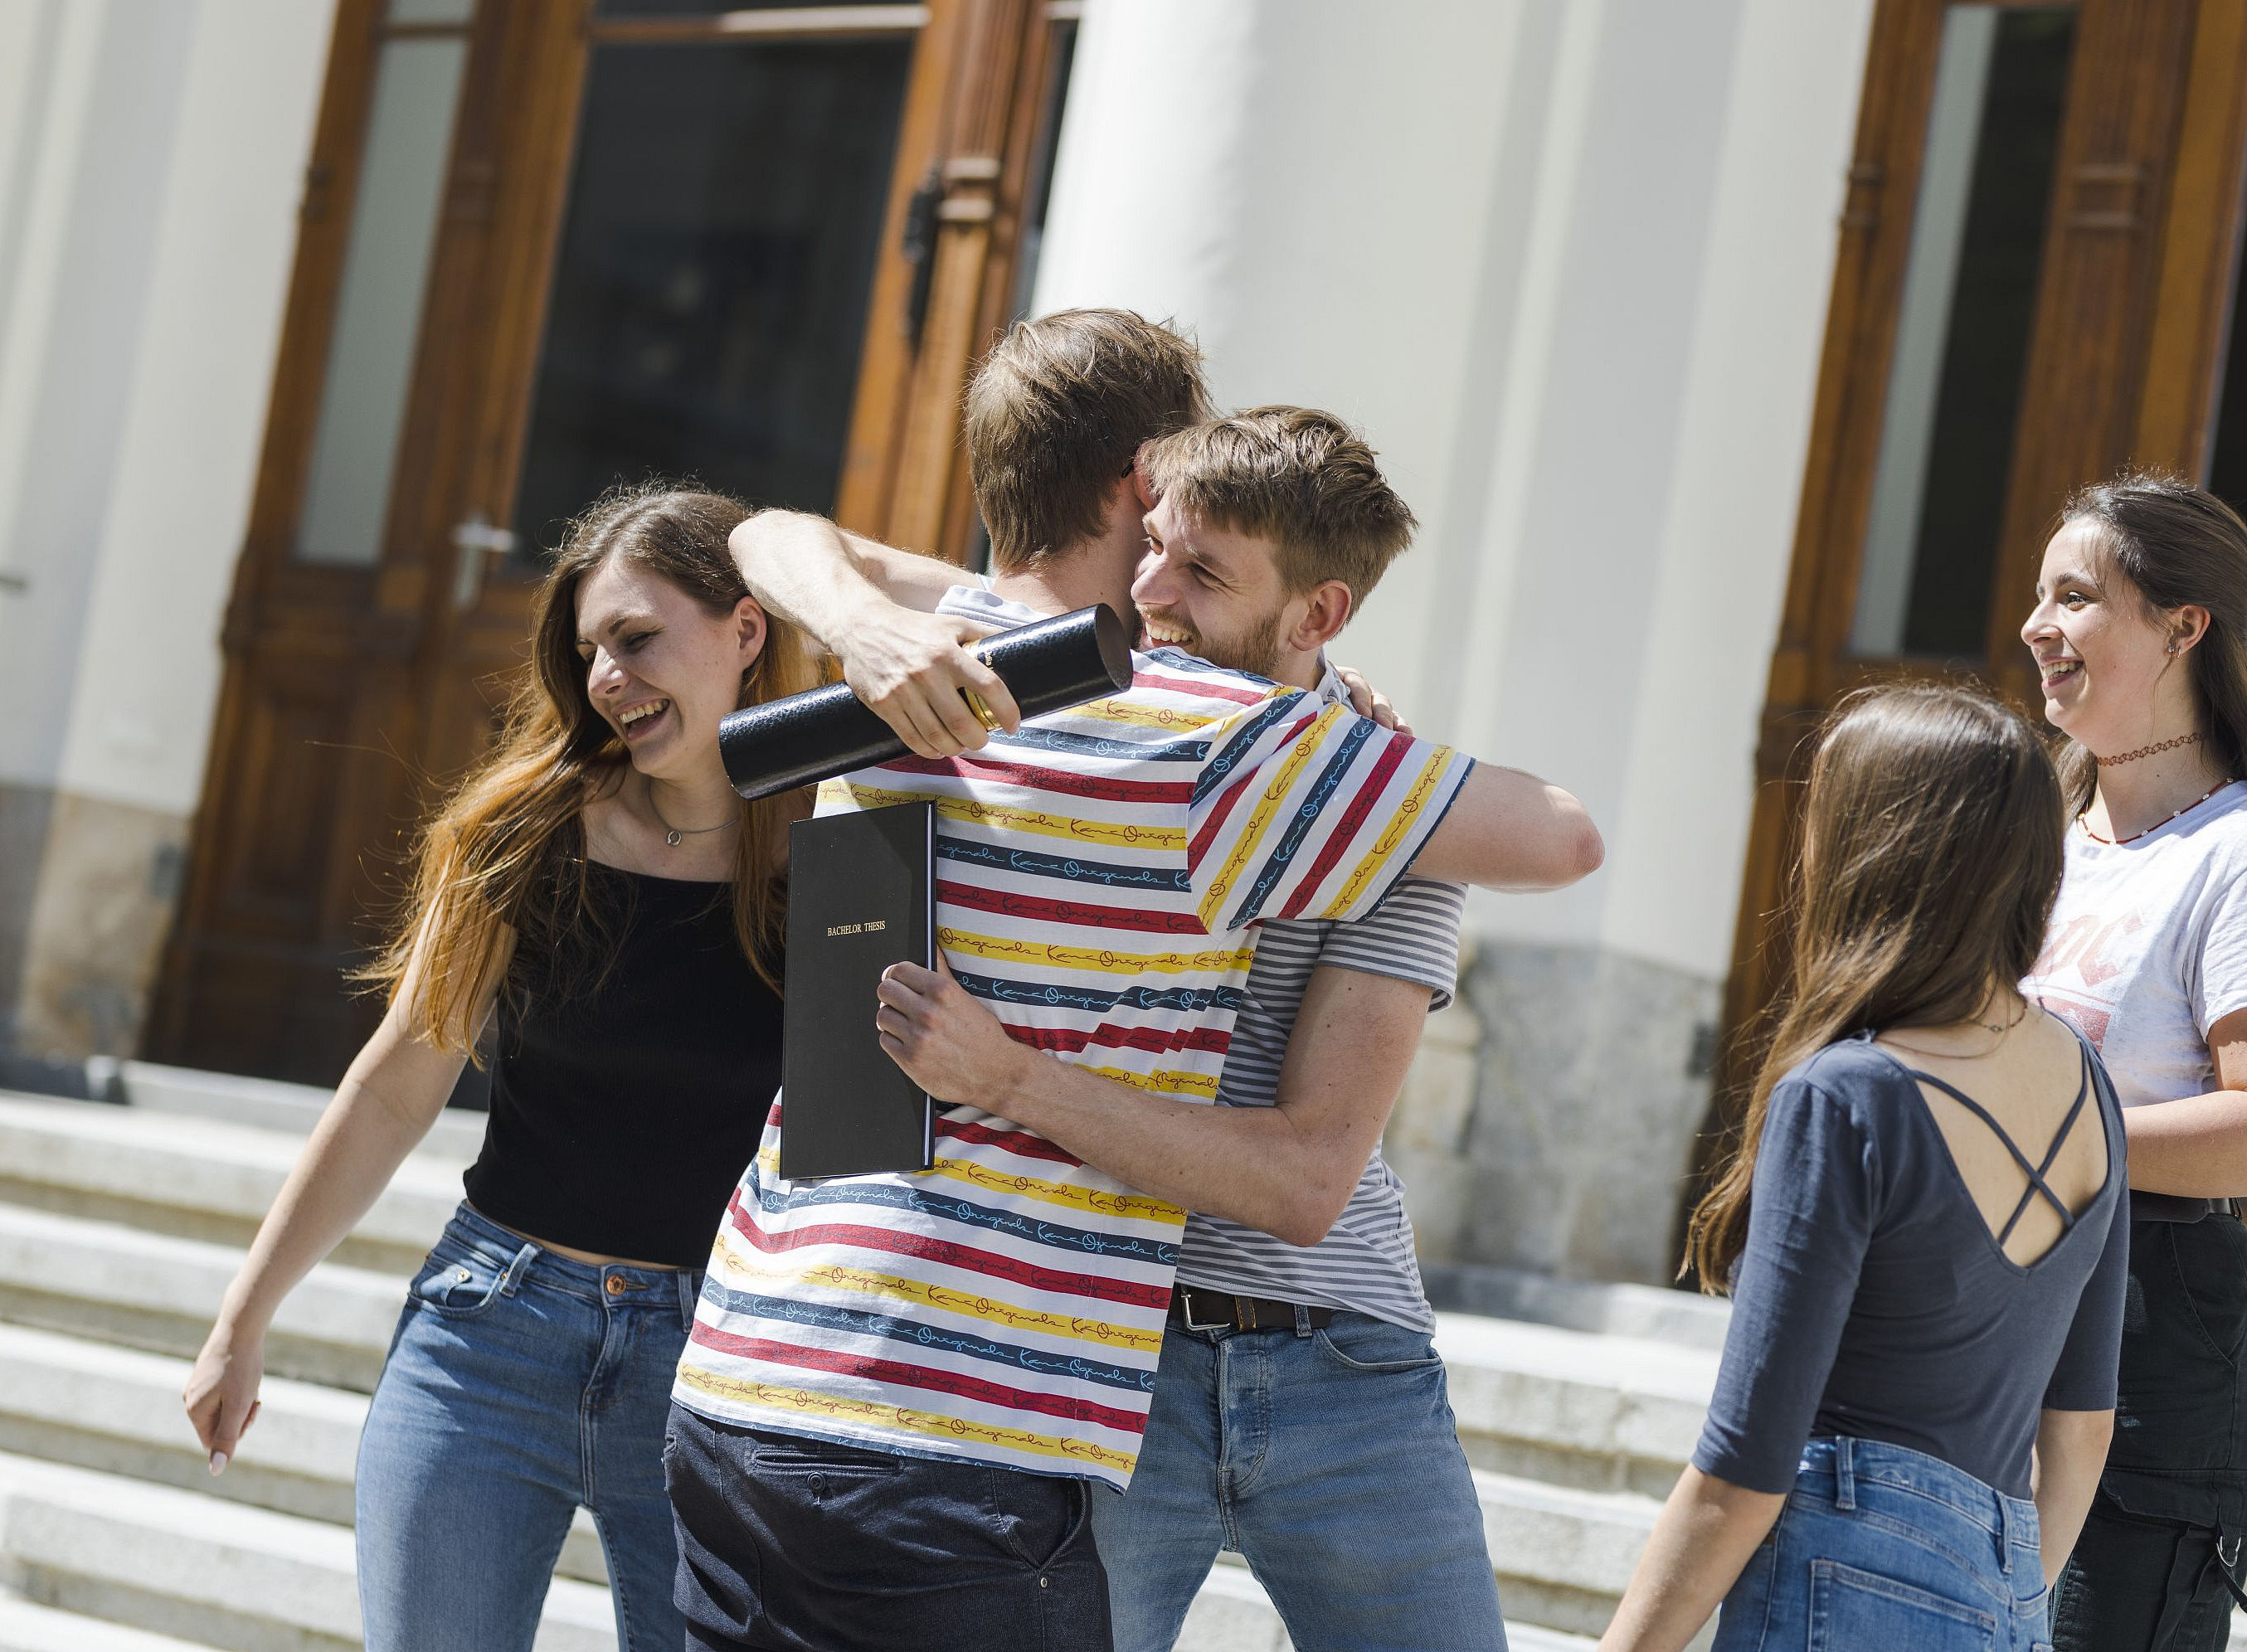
[(1294, 475), (1056, 414)]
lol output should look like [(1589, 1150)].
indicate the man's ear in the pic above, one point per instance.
[(1326, 612)]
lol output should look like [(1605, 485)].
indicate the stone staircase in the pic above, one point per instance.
[(121, 1226)]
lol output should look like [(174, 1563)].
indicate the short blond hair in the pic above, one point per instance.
[(1296, 476), (1055, 413)]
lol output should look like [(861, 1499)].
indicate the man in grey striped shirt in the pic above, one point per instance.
[(1300, 1414)]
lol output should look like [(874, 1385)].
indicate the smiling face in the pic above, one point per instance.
[(1214, 593), (660, 669), (2103, 657)]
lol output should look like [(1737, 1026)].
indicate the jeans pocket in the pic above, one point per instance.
[(1852, 1610), (1360, 1342), (1039, 1517), (2207, 1273), (799, 1454), (458, 1282)]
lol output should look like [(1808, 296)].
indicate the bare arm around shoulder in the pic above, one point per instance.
[(1701, 1543), (393, 1092), (1510, 830), (2071, 1452), (1286, 1169), (868, 606)]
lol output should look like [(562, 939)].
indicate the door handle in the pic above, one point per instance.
[(475, 540), (15, 582), (919, 251)]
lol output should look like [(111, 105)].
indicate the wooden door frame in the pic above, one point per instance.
[(333, 677), (2125, 348)]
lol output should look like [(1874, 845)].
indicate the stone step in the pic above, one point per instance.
[(67, 1400), (214, 1572), (161, 1293), (199, 1178), (1575, 1409), (264, 1103), (25, 1625)]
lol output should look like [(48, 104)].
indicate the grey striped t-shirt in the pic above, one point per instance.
[(1365, 1262)]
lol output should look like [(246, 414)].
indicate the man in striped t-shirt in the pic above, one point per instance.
[(872, 1355), (1298, 1338)]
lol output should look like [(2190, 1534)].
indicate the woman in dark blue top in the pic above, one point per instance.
[(1923, 1227)]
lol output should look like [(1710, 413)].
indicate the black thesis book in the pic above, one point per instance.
[(861, 896)]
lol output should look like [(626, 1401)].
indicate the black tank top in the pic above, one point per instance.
[(623, 1114)]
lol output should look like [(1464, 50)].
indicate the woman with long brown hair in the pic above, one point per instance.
[(1923, 1229), (2139, 635), (596, 887)]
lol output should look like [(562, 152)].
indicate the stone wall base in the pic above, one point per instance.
[(1548, 1122)]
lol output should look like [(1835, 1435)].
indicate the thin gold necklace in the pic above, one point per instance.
[(672, 833), (1999, 1027)]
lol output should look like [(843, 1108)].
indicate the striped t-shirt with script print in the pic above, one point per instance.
[(1096, 876)]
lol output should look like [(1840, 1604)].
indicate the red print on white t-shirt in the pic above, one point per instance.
[(2092, 947)]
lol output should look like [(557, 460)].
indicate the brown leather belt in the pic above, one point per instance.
[(1195, 1308)]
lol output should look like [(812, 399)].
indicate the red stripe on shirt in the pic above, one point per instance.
[(1201, 688), (919, 1377), (966, 1258), (1235, 790), (1344, 831), (1012, 903), (1111, 1036), (1149, 792), (1024, 1144)]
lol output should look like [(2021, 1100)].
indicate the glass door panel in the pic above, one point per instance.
[(710, 290), (1947, 422), (385, 276)]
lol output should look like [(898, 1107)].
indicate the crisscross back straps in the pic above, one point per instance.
[(2035, 1172)]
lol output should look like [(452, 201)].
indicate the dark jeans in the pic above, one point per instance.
[(794, 1545), (2146, 1575)]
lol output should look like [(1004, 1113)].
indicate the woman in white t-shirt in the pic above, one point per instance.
[(2139, 634)]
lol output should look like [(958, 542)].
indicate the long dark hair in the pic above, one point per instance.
[(1932, 836), (2176, 544), (508, 846)]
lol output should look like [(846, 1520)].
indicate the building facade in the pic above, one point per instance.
[(1732, 353)]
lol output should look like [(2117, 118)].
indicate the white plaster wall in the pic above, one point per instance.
[(1568, 267), (146, 677), (1303, 185), (89, 142)]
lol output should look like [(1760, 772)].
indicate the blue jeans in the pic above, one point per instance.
[(519, 1384), (1331, 1460), (1880, 1547)]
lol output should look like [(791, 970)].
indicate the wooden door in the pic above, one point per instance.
[(2037, 246), (548, 245)]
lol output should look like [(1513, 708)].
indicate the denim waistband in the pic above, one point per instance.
[(1842, 1470), (612, 1283)]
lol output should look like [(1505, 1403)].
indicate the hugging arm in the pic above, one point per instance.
[(1509, 831), (868, 604), (1286, 1170)]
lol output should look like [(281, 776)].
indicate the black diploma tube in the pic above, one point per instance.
[(1048, 667)]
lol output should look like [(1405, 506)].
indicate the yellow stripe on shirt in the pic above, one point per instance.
[(745, 1263), (1267, 806), (1102, 959), (804, 1403), (1125, 833), (1126, 1205), (1392, 837)]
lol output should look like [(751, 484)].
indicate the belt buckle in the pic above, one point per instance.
[(1185, 1308)]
